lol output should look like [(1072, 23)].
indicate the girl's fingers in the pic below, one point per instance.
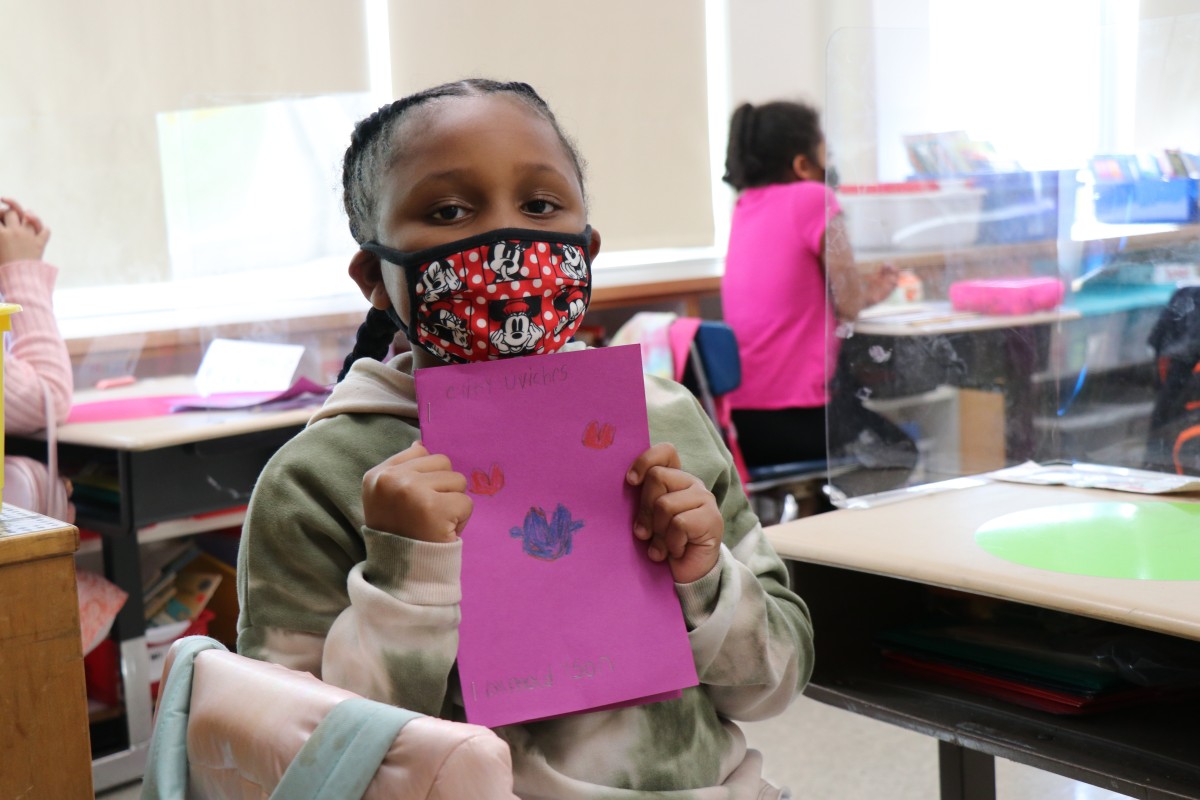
[(459, 506), (419, 459), (670, 505), (659, 455)]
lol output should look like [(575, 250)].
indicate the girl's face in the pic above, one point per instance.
[(475, 164), (807, 169), (470, 165)]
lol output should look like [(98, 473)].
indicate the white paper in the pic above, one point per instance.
[(234, 365), (1098, 476)]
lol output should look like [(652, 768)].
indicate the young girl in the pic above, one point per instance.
[(37, 368), (787, 242), (350, 560)]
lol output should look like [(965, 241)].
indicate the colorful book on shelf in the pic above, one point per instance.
[(155, 601), (193, 590), (165, 561)]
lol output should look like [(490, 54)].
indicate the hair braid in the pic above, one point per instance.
[(372, 340)]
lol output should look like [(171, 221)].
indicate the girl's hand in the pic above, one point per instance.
[(417, 495), (881, 284), (677, 515), (23, 237)]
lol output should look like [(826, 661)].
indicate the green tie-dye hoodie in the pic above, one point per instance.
[(378, 614)]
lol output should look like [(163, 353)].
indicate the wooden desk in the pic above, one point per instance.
[(865, 570), (44, 747), (166, 467)]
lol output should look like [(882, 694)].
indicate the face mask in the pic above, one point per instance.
[(508, 292)]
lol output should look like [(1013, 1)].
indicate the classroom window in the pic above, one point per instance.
[(170, 146), (1046, 84)]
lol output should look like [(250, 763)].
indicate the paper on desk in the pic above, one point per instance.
[(1098, 476), (302, 393), (278, 400), (236, 365), (915, 314)]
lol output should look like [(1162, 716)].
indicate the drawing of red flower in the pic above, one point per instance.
[(597, 436), (485, 483)]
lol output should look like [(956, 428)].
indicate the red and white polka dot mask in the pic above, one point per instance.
[(508, 292)]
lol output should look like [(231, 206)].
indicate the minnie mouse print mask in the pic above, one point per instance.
[(508, 292)]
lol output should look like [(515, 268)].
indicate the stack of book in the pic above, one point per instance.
[(1165, 164), (1061, 672), (177, 586)]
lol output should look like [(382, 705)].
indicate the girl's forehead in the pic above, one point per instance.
[(449, 124)]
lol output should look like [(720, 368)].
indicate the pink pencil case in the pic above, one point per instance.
[(1006, 295)]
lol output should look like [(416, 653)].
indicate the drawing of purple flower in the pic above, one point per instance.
[(547, 539)]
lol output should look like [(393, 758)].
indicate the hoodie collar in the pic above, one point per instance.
[(373, 387)]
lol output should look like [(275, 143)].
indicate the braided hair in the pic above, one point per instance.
[(765, 140), (375, 146)]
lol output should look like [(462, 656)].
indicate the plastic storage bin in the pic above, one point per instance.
[(919, 215), (6, 312), (1150, 200)]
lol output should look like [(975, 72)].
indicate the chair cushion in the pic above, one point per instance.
[(249, 719)]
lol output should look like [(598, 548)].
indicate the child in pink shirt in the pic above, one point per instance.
[(37, 367), (789, 279)]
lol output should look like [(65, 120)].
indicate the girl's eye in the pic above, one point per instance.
[(540, 207), (449, 213)]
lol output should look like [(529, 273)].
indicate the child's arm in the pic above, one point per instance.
[(363, 609), (751, 635), (38, 355), (852, 291)]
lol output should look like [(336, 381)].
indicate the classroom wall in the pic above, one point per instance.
[(626, 79), (819, 52)]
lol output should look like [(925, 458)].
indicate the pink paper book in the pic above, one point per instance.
[(562, 611)]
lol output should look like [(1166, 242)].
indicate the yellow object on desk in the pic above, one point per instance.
[(6, 312)]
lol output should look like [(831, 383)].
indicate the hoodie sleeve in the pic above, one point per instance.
[(38, 357), (365, 610), (751, 635)]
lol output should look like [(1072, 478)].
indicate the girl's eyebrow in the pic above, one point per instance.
[(443, 175), (539, 169), (461, 173), (537, 166)]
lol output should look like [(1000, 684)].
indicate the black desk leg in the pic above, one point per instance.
[(1021, 349), (966, 774)]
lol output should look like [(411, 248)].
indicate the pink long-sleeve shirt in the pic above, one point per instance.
[(35, 349)]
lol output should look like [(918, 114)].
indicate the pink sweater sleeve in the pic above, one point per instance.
[(37, 350)]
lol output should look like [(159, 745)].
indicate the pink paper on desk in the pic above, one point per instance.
[(123, 408), (562, 611)]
